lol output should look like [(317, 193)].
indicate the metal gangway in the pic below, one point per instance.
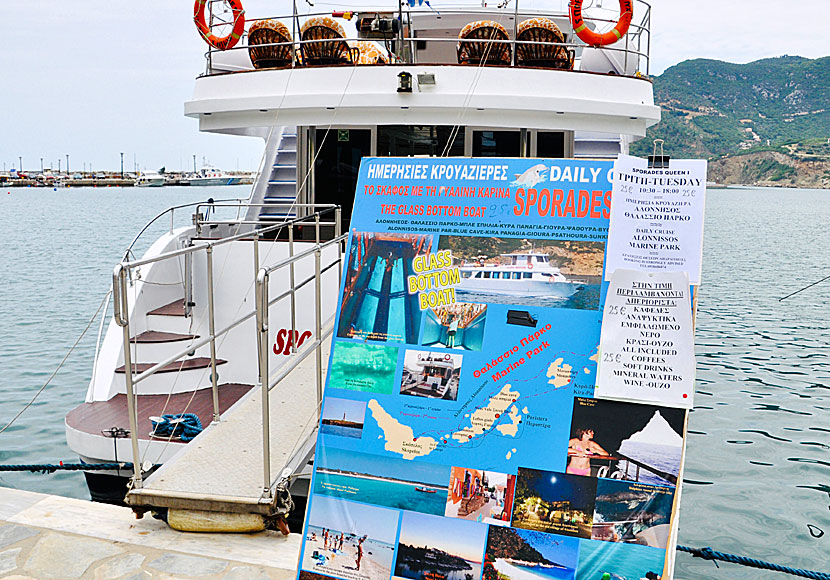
[(248, 458)]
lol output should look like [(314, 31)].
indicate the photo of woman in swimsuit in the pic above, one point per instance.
[(580, 450)]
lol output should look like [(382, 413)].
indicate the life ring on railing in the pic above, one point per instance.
[(220, 42), (592, 38)]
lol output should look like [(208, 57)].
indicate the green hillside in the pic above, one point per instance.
[(713, 109)]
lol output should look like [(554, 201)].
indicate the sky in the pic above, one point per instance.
[(460, 538), (97, 78)]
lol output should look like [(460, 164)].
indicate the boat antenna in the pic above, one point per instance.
[(802, 289)]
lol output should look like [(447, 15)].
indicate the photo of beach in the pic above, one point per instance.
[(343, 417), (480, 496), (554, 502), (375, 304), (619, 561), (620, 440), (431, 374), (349, 540), (459, 326), (514, 554), (357, 366), (636, 513), (382, 480), (438, 548)]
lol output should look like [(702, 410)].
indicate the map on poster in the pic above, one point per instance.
[(459, 437)]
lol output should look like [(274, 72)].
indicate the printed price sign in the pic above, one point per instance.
[(657, 217), (647, 342)]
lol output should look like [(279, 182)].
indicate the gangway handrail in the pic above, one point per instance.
[(121, 315), (264, 381)]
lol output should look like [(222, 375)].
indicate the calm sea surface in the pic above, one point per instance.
[(757, 478)]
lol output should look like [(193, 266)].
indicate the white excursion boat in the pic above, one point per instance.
[(211, 176), (525, 274), (150, 179), (229, 319)]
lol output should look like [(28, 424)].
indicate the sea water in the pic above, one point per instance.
[(383, 492), (757, 478)]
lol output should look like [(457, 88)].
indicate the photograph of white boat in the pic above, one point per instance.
[(527, 274), (553, 273)]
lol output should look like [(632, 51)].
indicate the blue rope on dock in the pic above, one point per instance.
[(183, 425), (53, 467), (710, 554)]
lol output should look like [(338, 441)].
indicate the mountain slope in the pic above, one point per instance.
[(777, 110)]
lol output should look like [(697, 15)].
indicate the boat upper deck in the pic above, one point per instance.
[(498, 67)]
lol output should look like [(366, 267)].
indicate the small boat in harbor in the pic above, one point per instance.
[(211, 176), (528, 274), (150, 179), (426, 489)]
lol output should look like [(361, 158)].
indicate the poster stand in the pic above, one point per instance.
[(460, 436)]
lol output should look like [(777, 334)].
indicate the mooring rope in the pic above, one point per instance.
[(710, 554), (53, 467)]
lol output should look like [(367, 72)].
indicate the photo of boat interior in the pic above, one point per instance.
[(459, 325), (376, 303)]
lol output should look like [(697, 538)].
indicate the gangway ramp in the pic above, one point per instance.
[(222, 469)]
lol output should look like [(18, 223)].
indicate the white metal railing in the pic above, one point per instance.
[(121, 316), (636, 46), (263, 303)]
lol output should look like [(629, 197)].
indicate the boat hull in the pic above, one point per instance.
[(520, 287)]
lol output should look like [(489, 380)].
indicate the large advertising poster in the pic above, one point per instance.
[(460, 438)]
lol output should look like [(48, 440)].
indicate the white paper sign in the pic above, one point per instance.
[(647, 340), (657, 217)]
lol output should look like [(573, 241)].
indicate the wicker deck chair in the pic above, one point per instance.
[(369, 52), (474, 46), (269, 32), (543, 30), (332, 48)]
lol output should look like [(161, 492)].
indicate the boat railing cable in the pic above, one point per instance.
[(60, 365), (805, 288)]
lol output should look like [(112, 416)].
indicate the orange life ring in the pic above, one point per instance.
[(592, 38), (220, 42)]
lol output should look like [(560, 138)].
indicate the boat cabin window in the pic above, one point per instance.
[(486, 274), (550, 144), (527, 275), (465, 274), (517, 275), (496, 144), (478, 275), (410, 141)]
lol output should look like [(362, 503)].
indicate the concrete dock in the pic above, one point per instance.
[(45, 537)]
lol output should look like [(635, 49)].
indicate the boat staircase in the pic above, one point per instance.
[(275, 195), (239, 297)]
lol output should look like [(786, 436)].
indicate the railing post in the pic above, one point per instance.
[(122, 319), (188, 281), (214, 380), (318, 325), (317, 228), (292, 340), (263, 383)]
